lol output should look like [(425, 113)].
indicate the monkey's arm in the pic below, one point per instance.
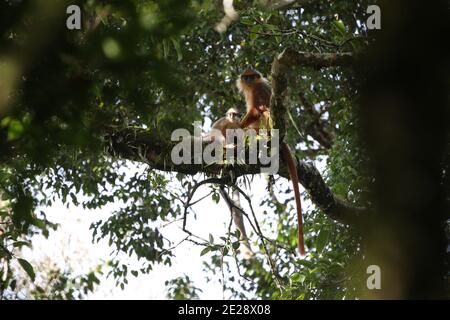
[(252, 116)]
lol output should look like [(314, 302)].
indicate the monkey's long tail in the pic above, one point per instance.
[(292, 168)]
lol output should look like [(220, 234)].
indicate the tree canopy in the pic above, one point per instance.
[(80, 108)]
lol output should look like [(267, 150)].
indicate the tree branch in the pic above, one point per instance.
[(289, 58), (321, 195), (151, 148), (281, 66), (148, 147), (308, 175)]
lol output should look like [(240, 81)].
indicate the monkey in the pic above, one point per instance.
[(258, 93), (218, 131), (219, 127), (230, 121)]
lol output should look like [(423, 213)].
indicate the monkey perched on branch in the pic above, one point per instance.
[(258, 93), (231, 120), (219, 127)]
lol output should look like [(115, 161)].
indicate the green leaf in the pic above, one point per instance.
[(215, 197), (5, 122), (28, 268), (15, 129), (215, 248), (225, 251), (295, 277), (211, 238), (272, 28), (205, 6), (321, 240), (254, 32), (340, 26), (315, 271), (205, 251), (21, 244), (165, 48), (26, 119)]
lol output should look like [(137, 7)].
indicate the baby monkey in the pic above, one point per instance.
[(218, 132), (219, 128)]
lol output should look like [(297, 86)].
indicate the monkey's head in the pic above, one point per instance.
[(233, 114), (250, 75), (247, 79)]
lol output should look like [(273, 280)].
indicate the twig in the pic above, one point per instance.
[(169, 223), (295, 125), (191, 194), (195, 202), (271, 263)]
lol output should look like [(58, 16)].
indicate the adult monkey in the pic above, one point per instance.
[(258, 93)]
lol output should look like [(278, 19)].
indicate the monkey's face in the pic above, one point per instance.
[(233, 116), (250, 78)]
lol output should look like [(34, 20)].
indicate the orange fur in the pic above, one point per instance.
[(258, 94)]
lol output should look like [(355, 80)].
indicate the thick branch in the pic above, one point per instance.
[(291, 58), (282, 65), (321, 195), (308, 175), (150, 148), (155, 150), (278, 109), (286, 4)]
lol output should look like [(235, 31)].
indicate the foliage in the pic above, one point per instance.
[(160, 65), (182, 289)]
